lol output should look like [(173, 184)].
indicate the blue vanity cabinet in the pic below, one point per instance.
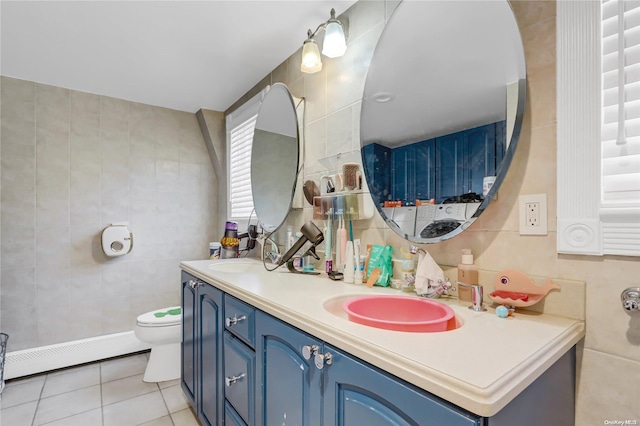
[(202, 329), (344, 392), (357, 394), (288, 385), (188, 350)]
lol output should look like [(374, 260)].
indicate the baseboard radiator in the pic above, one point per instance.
[(46, 358)]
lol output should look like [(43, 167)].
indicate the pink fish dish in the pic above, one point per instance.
[(515, 289)]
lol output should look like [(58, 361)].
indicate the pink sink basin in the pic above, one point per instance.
[(400, 313)]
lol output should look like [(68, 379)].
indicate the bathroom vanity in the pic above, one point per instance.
[(272, 348)]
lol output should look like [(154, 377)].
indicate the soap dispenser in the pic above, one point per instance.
[(468, 274)]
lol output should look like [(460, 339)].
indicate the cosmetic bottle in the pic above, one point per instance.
[(468, 274)]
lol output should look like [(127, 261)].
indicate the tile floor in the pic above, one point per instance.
[(107, 393)]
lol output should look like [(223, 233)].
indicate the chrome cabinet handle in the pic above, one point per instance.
[(193, 284), (233, 379), (233, 321), (323, 359), (309, 350)]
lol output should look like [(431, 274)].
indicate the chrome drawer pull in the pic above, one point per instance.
[(233, 379), (309, 350), (233, 321)]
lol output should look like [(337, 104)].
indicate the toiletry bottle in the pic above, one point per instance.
[(468, 274), (289, 241)]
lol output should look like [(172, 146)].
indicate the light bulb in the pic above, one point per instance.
[(311, 61), (334, 44)]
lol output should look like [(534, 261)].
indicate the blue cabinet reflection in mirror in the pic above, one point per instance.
[(442, 108), (440, 168)]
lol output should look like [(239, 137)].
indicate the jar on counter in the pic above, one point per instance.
[(214, 250)]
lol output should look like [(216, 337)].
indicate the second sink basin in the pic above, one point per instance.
[(400, 313)]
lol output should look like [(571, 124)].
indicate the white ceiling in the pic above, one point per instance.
[(183, 55)]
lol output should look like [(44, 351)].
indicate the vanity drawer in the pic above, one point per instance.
[(231, 418), (240, 319), (239, 377)]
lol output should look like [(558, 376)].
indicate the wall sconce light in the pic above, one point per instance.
[(333, 46)]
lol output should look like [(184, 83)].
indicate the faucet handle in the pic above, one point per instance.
[(477, 293)]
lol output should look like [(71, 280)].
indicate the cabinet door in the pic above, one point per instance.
[(239, 377), (356, 394), (288, 386), (188, 374), (450, 155), (209, 339)]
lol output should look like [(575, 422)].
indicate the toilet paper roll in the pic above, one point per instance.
[(117, 240)]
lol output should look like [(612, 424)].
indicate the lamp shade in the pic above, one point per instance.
[(311, 61), (334, 44)]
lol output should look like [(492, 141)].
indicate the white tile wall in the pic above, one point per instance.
[(71, 164)]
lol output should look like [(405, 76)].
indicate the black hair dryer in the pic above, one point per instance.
[(311, 233)]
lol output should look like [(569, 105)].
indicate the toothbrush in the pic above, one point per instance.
[(328, 230), (341, 238), (358, 272)]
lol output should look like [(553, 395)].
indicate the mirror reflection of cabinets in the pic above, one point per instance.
[(274, 157), (442, 110)]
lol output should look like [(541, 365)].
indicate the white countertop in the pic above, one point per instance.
[(480, 366)]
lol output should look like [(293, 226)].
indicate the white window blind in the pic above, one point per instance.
[(240, 196), (240, 126), (598, 147), (620, 124)]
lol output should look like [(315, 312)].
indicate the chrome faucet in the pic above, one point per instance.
[(274, 254), (442, 287), (476, 295), (439, 288)]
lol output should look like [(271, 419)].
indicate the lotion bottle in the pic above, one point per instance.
[(468, 274)]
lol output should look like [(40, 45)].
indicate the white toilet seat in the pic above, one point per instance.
[(149, 319)]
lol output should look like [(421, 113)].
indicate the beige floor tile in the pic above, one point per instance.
[(89, 418), (135, 411), (174, 398), (18, 415), (184, 418), (67, 404), (71, 379), (162, 421), (20, 392), (168, 383), (129, 387)]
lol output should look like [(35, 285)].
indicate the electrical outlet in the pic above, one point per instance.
[(533, 214)]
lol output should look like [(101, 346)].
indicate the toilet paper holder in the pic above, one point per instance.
[(117, 240)]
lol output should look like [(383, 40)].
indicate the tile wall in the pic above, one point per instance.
[(609, 357), (71, 164)]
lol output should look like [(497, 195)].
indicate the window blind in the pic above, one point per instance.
[(620, 126), (240, 195)]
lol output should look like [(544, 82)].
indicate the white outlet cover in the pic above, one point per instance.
[(541, 229)]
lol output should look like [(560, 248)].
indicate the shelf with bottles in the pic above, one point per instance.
[(351, 205), (333, 163)]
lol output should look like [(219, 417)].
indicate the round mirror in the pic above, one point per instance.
[(441, 114), (274, 157)]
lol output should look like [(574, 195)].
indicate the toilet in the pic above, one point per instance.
[(162, 330)]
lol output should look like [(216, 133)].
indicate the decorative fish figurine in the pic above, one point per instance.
[(515, 288)]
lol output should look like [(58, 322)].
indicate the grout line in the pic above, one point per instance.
[(35, 412), (166, 405), (101, 396)]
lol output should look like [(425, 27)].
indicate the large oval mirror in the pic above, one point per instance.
[(441, 114), (274, 157)]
